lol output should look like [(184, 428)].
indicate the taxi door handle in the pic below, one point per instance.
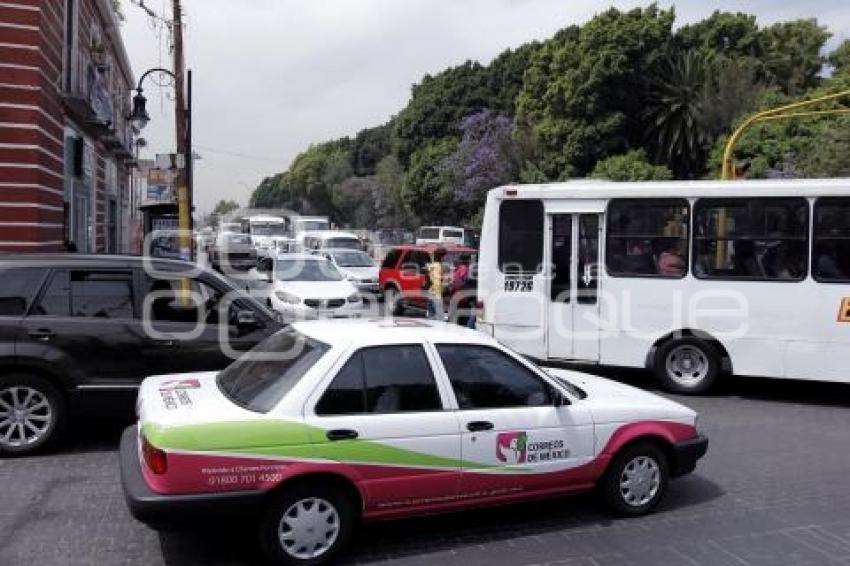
[(341, 434), (478, 426)]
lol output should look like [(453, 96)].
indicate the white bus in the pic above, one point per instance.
[(440, 235), (688, 279), (266, 233)]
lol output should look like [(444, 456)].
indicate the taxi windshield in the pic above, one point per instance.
[(262, 377)]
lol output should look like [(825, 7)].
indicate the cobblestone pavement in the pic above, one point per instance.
[(772, 491)]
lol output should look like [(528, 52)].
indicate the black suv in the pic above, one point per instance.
[(78, 333)]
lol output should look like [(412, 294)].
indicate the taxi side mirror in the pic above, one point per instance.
[(559, 399)]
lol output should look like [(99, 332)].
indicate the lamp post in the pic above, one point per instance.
[(139, 117)]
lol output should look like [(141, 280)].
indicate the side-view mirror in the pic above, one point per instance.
[(559, 399), (247, 320)]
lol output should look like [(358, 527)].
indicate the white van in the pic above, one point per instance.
[(330, 239), (440, 235)]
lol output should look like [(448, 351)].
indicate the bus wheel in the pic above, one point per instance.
[(687, 365)]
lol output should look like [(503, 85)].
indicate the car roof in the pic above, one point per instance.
[(336, 250), (300, 257), (331, 234), (380, 331), (91, 261), (431, 247)]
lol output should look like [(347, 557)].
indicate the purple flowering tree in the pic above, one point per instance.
[(487, 157)]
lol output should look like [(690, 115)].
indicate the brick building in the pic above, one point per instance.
[(65, 143)]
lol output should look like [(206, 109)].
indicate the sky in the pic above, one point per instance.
[(270, 77)]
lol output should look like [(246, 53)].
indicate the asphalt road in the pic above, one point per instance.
[(772, 491)]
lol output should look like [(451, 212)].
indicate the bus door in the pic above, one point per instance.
[(573, 324)]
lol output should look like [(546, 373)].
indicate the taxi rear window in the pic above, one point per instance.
[(261, 378)]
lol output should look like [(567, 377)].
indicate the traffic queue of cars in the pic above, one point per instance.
[(307, 427)]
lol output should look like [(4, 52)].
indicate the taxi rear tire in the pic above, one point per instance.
[(687, 365), (308, 524), (636, 480)]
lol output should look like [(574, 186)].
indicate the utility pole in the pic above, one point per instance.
[(184, 211)]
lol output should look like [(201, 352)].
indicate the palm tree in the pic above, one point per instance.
[(677, 129)]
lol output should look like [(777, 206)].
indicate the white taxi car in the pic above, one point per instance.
[(308, 286), (325, 424)]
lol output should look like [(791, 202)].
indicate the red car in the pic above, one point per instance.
[(404, 270)]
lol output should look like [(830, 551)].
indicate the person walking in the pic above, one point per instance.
[(436, 273), (463, 293)]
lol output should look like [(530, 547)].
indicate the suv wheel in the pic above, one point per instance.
[(309, 524), (32, 414), (687, 365), (636, 480)]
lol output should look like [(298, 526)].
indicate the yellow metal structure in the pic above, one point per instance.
[(781, 113)]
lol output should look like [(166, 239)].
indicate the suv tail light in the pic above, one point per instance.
[(156, 459)]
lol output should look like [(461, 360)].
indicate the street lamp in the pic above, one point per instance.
[(139, 118)]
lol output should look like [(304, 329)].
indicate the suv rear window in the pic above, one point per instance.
[(17, 290), (392, 259), (261, 378)]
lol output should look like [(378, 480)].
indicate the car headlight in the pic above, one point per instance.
[(288, 298), (355, 298)]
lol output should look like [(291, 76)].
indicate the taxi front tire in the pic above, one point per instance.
[(636, 480), (281, 527)]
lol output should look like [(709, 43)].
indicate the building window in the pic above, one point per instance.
[(647, 238), (521, 236), (69, 73), (831, 255), (764, 239)]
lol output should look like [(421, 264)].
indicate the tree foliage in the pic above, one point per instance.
[(622, 96), (631, 166)]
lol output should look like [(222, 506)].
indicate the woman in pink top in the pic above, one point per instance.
[(670, 262)]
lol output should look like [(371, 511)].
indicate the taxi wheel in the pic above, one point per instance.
[(32, 414), (636, 480), (309, 524), (687, 365)]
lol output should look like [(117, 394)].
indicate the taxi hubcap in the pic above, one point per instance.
[(687, 364), (309, 528), (25, 416), (640, 481)]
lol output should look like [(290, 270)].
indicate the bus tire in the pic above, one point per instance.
[(687, 365)]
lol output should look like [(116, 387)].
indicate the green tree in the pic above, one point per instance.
[(391, 177), (632, 166), (733, 35), (677, 126), (586, 89), (428, 191), (223, 207), (792, 54), (840, 58)]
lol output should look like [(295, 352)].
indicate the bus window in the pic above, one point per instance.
[(831, 255), (762, 239), (562, 239), (647, 237), (521, 236)]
